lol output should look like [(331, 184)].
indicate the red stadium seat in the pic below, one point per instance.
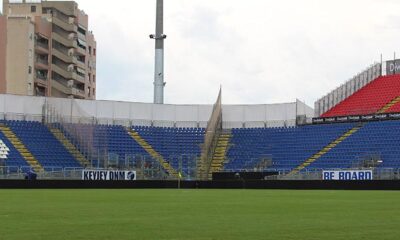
[(369, 99)]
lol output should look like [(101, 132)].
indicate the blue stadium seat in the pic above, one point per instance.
[(174, 143), (289, 147), (37, 138)]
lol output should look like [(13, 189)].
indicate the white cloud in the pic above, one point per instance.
[(260, 51)]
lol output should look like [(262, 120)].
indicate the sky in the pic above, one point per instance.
[(259, 51)]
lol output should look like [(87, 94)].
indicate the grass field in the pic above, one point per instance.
[(198, 214)]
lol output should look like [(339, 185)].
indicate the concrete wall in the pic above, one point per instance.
[(20, 50), (3, 50), (18, 9), (43, 27)]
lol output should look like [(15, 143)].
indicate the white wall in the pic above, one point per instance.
[(125, 113)]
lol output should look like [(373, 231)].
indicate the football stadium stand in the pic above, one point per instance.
[(47, 134), (333, 146), (374, 140), (113, 139), (52, 152), (379, 96), (327, 146), (285, 148), (19, 153), (42, 145), (14, 158), (172, 143)]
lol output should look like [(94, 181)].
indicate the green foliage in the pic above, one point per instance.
[(198, 214)]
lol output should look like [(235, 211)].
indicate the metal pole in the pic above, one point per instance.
[(159, 37)]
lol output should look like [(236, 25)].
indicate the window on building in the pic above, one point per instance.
[(33, 9), (94, 51), (90, 50), (81, 43), (82, 31), (29, 70), (94, 78)]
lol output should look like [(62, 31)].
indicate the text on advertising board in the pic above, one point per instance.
[(347, 175), (106, 175)]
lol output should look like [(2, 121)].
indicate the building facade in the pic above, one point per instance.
[(47, 49)]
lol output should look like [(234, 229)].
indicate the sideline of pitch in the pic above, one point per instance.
[(237, 184)]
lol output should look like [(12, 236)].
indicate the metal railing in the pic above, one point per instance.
[(146, 169), (42, 45), (316, 174)]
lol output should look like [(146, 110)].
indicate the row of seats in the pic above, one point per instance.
[(379, 140), (273, 148), (44, 146), (106, 139), (369, 99), (14, 158), (285, 149), (115, 140), (180, 146)]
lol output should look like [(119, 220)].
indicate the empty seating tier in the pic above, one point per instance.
[(284, 148), (46, 149), (174, 144), (112, 141), (375, 140), (14, 158), (372, 98), (288, 148)]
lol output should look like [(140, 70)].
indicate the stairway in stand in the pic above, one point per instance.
[(69, 146), (21, 148), (325, 150), (150, 150), (219, 155), (389, 105)]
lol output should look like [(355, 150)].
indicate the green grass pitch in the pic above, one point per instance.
[(199, 214)]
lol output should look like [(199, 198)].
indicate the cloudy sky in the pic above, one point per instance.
[(260, 51)]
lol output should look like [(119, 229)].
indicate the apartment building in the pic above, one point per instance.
[(47, 49)]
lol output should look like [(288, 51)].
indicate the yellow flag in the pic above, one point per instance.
[(180, 175)]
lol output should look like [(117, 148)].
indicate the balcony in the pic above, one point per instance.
[(70, 27), (40, 81), (41, 47), (81, 51), (63, 55), (64, 40), (80, 78), (68, 90), (81, 36), (62, 71), (65, 9), (82, 47), (79, 63), (70, 75), (41, 63), (78, 93)]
